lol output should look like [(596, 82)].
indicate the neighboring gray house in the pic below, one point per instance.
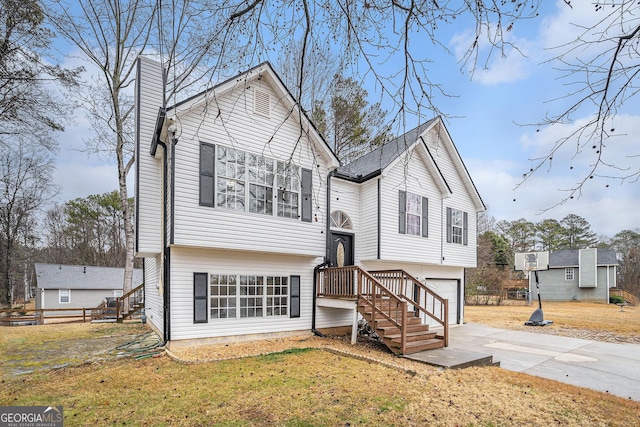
[(573, 275), (75, 286)]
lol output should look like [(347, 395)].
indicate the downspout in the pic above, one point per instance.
[(315, 293), (442, 238), (379, 251), (166, 329)]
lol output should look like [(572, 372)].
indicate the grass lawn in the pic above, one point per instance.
[(596, 317), (296, 387)]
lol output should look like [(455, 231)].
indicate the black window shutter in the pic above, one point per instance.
[(200, 297), (425, 217), (449, 226), (402, 212), (207, 174), (294, 294), (465, 229), (307, 195)]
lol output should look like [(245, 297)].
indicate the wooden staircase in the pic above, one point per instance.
[(123, 308), (393, 303), (417, 335)]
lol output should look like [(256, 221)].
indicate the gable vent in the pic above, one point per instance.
[(262, 103)]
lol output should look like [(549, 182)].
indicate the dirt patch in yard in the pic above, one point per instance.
[(25, 349)]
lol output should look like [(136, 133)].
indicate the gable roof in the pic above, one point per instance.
[(376, 162), (60, 276), (262, 71), (570, 258)]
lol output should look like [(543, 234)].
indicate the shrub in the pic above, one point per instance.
[(616, 299)]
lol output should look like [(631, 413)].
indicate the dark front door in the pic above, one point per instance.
[(341, 249)]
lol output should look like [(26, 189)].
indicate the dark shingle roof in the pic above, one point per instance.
[(59, 276), (381, 157), (569, 258)]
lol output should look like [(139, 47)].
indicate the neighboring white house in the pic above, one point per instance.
[(571, 274), (239, 199), (77, 286)]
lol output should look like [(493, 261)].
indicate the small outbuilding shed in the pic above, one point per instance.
[(76, 286)]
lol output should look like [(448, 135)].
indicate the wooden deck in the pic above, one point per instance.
[(392, 302)]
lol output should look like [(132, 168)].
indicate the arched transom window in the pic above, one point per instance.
[(340, 219)]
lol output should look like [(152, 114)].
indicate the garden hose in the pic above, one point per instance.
[(141, 347)]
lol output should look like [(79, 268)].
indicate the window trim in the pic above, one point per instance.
[(340, 219), (68, 291), (403, 213), (569, 273), (465, 227), (288, 181), (264, 295)]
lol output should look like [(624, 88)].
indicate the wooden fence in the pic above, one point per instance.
[(22, 316)]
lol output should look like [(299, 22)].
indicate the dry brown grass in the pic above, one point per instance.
[(303, 386), (311, 387), (601, 319)]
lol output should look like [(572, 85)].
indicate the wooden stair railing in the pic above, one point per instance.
[(103, 311), (628, 296), (387, 312), (418, 295), (130, 303)]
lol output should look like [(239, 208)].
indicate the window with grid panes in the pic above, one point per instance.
[(222, 296)]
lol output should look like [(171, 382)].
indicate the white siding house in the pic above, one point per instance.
[(239, 198)]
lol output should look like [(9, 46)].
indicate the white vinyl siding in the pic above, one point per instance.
[(367, 239), (409, 174), (187, 261), (149, 94), (235, 226), (461, 199), (345, 197), (153, 292)]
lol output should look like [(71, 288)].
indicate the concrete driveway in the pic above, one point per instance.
[(606, 367)]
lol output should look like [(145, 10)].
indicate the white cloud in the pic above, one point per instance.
[(609, 205)]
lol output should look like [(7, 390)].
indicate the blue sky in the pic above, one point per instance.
[(486, 118)]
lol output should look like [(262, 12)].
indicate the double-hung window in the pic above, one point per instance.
[(413, 214), (232, 176), (260, 184), (64, 296), (457, 226), (288, 190)]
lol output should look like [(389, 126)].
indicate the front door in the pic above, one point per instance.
[(341, 249)]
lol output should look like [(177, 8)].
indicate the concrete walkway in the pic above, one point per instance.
[(602, 366)]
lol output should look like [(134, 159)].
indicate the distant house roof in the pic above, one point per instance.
[(383, 156), (569, 258), (60, 276)]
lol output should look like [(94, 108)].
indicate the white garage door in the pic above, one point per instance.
[(446, 288)]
